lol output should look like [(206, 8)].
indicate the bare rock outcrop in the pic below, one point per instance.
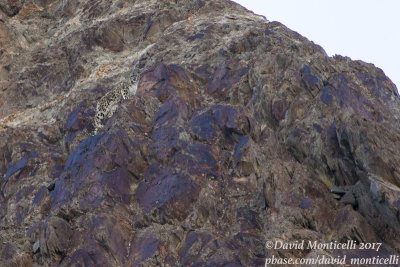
[(241, 131)]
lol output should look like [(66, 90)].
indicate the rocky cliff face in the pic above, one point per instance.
[(237, 133)]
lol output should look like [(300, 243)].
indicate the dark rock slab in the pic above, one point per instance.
[(14, 168), (167, 193)]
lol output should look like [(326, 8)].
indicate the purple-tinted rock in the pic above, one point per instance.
[(41, 194), (19, 165), (203, 155), (326, 95), (317, 127), (166, 142), (202, 126), (240, 149), (238, 128), (169, 193), (23, 193), (194, 243), (225, 118), (311, 81), (306, 203), (207, 123), (194, 37), (81, 152), (55, 238), (349, 198), (171, 110), (225, 76), (143, 247), (118, 182), (248, 219), (397, 204), (82, 256)]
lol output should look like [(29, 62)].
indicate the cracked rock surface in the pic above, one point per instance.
[(241, 132)]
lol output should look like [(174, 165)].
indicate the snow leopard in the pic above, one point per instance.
[(108, 104)]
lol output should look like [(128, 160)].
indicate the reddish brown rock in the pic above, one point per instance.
[(241, 132)]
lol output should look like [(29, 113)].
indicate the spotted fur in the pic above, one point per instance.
[(108, 104)]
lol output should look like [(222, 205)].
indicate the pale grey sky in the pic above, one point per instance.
[(368, 30)]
